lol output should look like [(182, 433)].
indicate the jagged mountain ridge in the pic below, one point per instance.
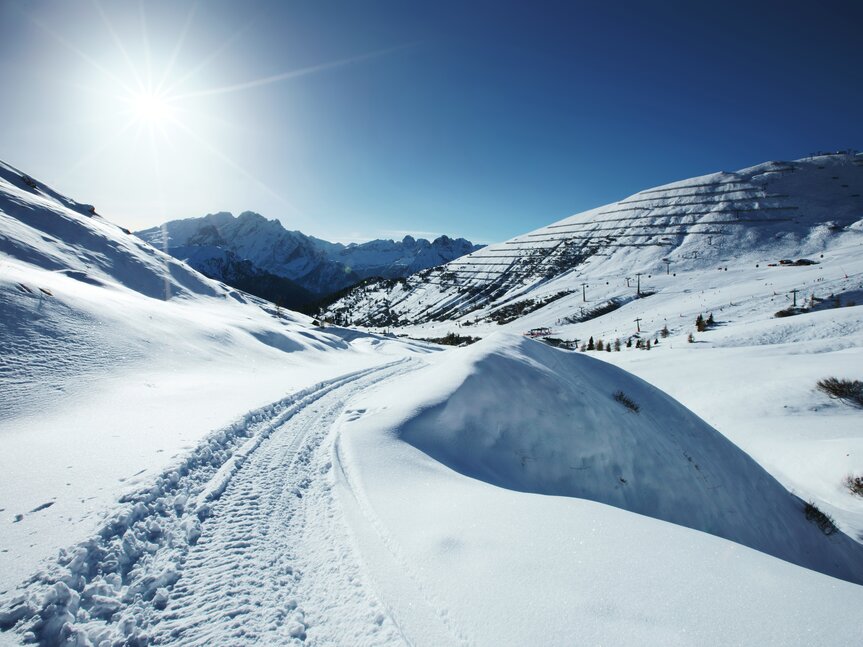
[(772, 211), (317, 266)]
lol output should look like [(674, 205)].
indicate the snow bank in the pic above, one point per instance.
[(520, 415), (449, 481)]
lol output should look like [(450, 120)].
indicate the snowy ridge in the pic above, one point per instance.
[(316, 265), (768, 212), (109, 586)]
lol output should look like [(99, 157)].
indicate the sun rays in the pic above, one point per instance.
[(155, 106)]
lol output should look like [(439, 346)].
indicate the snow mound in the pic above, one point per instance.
[(518, 414)]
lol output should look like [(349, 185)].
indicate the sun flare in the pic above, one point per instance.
[(151, 108)]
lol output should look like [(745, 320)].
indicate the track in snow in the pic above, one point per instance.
[(244, 543), (275, 564)]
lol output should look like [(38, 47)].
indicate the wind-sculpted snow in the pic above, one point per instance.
[(521, 415)]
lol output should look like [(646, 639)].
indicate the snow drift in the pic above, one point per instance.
[(518, 414)]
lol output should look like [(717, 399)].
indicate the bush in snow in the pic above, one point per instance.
[(664, 332), (849, 391), (626, 401), (820, 519), (855, 484)]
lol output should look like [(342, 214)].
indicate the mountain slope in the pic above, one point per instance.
[(117, 358), (773, 211), (316, 265)]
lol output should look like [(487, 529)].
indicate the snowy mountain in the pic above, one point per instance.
[(315, 265), (183, 464), (763, 214)]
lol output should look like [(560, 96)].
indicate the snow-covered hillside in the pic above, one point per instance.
[(117, 359), (184, 464), (319, 266), (759, 215)]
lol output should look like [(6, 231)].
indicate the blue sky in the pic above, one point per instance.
[(357, 120)]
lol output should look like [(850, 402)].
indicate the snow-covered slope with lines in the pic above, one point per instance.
[(773, 211)]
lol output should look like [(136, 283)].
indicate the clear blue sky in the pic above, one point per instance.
[(356, 120)]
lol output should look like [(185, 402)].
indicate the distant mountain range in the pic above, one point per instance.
[(262, 257)]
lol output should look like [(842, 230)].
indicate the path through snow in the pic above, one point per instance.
[(248, 548)]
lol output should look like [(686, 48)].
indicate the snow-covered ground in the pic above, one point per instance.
[(117, 361), (212, 470), (497, 507)]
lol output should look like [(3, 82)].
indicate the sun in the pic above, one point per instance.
[(151, 108)]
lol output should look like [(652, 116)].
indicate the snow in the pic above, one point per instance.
[(450, 480), (117, 360), (184, 464)]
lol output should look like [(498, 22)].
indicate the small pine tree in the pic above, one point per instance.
[(617, 344), (700, 325), (629, 343), (710, 320), (590, 344), (664, 332), (608, 347), (599, 345)]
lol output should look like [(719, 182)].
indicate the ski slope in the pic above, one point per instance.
[(759, 215)]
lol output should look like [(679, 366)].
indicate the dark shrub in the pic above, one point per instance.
[(849, 391), (626, 401), (823, 521)]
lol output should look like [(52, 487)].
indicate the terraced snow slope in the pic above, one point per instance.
[(768, 212)]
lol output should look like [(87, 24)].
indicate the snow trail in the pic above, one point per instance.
[(275, 566), (242, 543)]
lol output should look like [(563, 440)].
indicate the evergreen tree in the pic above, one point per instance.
[(590, 345)]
